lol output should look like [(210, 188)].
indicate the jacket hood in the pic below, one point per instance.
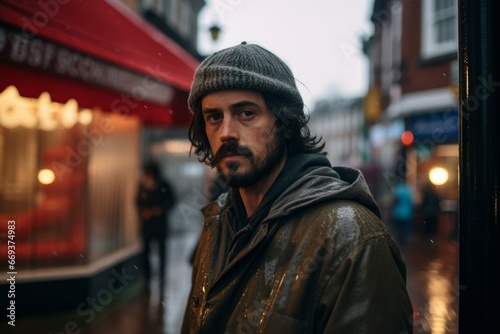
[(320, 182)]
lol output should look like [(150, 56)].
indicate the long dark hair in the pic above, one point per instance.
[(291, 123)]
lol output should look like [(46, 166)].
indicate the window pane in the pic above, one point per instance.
[(445, 31)]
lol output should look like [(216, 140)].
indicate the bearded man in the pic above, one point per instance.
[(295, 245)]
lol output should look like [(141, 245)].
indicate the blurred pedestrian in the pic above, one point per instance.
[(430, 207), (402, 213), (155, 199), (295, 245)]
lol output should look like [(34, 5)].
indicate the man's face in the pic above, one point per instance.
[(240, 130)]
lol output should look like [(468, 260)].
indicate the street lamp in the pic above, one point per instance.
[(214, 32)]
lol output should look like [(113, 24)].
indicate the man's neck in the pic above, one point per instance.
[(253, 195)]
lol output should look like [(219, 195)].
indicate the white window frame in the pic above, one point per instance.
[(429, 47)]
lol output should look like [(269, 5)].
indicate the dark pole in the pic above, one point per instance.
[(479, 263)]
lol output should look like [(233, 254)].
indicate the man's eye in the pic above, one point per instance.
[(214, 117), (247, 113)]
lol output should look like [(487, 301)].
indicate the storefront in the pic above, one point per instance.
[(432, 159), (77, 84), (418, 148)]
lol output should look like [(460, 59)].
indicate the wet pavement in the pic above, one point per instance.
[(431, 279), (432, 282), (160, 309)]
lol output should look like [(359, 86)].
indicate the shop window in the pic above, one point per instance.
[(439, 28), (67, 179), (113, 169)]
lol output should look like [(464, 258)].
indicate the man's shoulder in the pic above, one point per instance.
[(339, 210), (213, 209), (334, 229), (337, 218)]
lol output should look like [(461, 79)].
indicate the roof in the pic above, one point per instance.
[(108, 30)]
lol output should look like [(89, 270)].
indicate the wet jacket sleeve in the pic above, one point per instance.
[(367, 292)]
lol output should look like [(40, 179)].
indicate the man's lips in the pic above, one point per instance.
[(233, 155)]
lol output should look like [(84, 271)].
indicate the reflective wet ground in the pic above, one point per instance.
[(432, 281), (431, 277), (159, 310)]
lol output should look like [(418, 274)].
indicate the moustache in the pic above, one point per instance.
[(231, 148)]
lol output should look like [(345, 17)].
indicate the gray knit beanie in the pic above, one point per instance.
[(244, 66)]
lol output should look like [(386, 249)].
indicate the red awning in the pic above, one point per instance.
[(108, 31)]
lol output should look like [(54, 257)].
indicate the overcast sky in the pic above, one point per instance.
[(319, 39)]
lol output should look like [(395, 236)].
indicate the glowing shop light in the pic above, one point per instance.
[(85, 117), (438, 176), (69, 113), (41, 113), (46, 176), (177, 146)]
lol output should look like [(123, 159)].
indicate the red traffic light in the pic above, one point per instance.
[(407, 138)]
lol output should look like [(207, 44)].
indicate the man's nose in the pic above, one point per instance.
[(229, 130)]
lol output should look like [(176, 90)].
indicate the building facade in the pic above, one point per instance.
[(340, 123), (178, 19), (413, 91), (78, 85)]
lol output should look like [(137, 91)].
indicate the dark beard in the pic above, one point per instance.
[(274, 156)]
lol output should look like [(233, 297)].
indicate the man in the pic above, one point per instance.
[(155, 199), (295, 246)]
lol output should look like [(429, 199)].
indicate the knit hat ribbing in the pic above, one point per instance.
[(244, 66)]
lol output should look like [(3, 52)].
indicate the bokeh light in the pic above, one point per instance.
[(46, 176), (438, 176), (407, 138)]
